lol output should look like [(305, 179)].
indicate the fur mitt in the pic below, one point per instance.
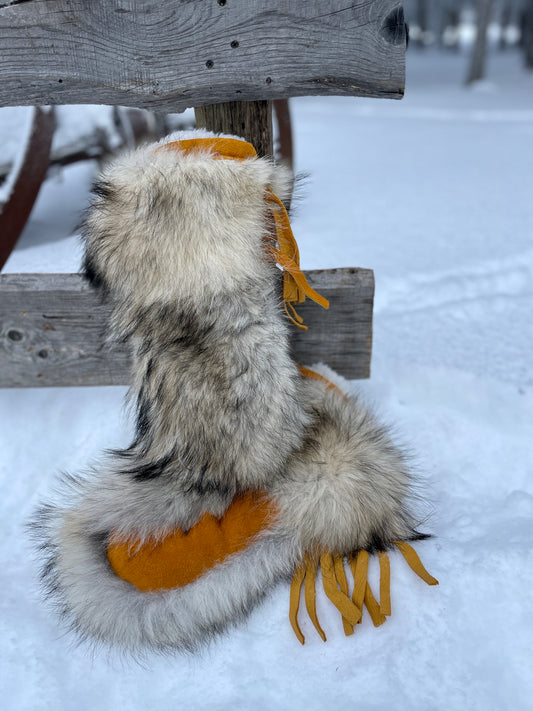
[(245, 469)]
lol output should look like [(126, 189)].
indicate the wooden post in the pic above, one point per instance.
[(251, 120)]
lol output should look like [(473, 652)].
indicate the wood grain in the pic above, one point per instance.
[(251, 120), (53, 326), (181, 53)]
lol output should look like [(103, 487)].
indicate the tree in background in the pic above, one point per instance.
[(422, 20), (478, 61), (434, 21), (450, 20), (506, 17), (447, 23), (526, 24)]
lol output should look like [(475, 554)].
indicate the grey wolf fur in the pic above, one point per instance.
[(348, 486), (177, 242)]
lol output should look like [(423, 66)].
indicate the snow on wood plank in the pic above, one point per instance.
[(52, 330), (174, 54)]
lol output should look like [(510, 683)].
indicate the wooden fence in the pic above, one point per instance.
[(168, 56)]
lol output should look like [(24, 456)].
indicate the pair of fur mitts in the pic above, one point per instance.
[(245, 469)]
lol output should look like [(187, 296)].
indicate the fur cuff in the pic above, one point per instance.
[(348, 486)]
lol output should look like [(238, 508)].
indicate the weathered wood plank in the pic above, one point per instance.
[(341, 337), (176, 54), (52, 330)]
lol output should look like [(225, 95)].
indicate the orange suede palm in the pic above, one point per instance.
[(182, 557)]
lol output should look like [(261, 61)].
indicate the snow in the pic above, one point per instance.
[(434, 194)]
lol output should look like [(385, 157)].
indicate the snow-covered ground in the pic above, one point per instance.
[(435, 194)]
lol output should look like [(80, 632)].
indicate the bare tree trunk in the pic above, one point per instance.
[(422, 21), (477, 63), (449, 26), (527, 34), (505, 21)]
